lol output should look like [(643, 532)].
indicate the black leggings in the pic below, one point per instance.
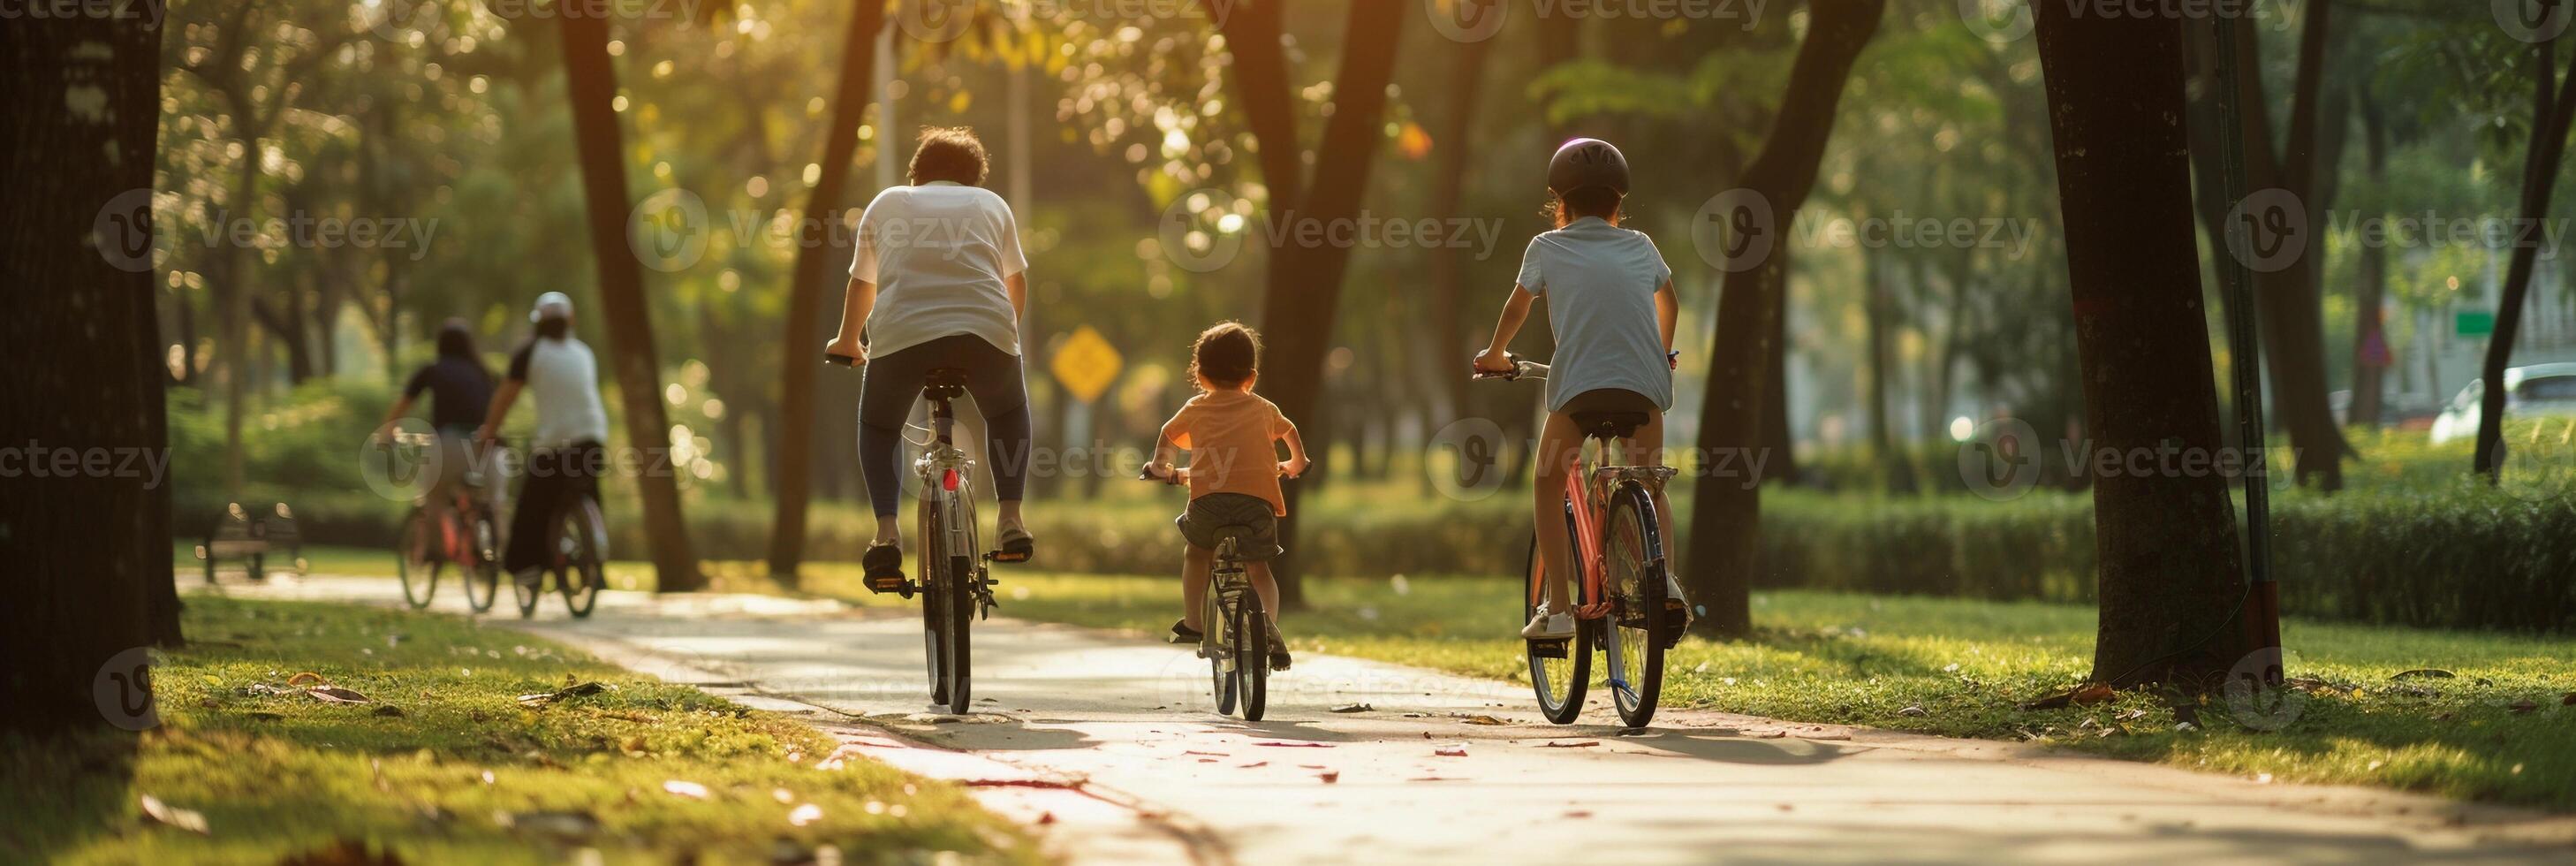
[(893, 381), (556, 479)]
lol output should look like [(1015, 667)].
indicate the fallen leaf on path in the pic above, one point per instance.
[(1555, 744), (2523, 706), (308, 677), (1578, 813), (805, 814), (1353, 708), (1197, 752), (1479, 719), (1452, 750), (1435, 779), (335, 695), (2131, 715), (1312, 766), (1045, 818), (190, 820), (1252, 765), (691, 790), (2434, 673), (1329, 776), (2093, 694), (575, 690), (1294, 745)]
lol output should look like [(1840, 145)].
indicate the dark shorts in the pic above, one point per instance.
[(1207, 514)]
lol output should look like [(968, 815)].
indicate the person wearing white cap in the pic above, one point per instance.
[(567, 452)]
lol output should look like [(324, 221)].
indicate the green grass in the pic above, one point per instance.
[(1855, 659), (276, 774)]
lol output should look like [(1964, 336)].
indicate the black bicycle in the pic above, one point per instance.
[(577, 537), (1237, 638)]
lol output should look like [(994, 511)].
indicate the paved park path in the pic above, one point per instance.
[(1105, 741)]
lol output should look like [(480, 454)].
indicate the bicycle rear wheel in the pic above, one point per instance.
[(1559, 669), (934, 600), (1634, 575), (1213, 624), (1252, 654), (418, 568), (484, 573), (585, 533)]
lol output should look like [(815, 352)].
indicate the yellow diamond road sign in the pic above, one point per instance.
[(1086, 364)]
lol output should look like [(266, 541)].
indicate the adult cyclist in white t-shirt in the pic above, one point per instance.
[(566, 454), (939, 281)]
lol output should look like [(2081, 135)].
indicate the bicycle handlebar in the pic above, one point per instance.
[(1520, 369), (1181, 474)]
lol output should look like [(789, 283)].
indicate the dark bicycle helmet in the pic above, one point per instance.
[(1587, 162)]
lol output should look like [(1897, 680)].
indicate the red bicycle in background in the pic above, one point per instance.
[(1623, 604)]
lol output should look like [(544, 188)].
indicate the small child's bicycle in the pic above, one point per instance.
[(1623, 602), (1236, 640)]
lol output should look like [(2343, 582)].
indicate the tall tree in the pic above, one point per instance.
[(2553, 104), (88, 549), (591, 84), (795, 424), (1725, 531), (2370, 355), (2169, 568), (1454, 140), (1305, 280)]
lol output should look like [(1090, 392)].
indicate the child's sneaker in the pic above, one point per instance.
[(1549, 625)]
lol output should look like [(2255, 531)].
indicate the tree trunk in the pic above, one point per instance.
[(1305, 281), (88, 550), (795, 444), (2169, 569), (1725, 529), (2370, 352), (2286, 302), (2552, 105), (1451, 352), (591, 83), (1893, 469), (1777, 441)]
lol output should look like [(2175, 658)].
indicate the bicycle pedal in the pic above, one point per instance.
[(1548, 649), (998, 556), (883, 584)]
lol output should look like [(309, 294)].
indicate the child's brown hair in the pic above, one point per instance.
[(1225, 356)]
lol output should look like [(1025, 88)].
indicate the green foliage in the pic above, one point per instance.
[(443, 750)]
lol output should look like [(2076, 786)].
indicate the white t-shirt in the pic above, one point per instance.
[(1600, 282), (938, 254), (564, 377)]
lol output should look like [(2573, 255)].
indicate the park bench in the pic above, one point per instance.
[(249, 539)]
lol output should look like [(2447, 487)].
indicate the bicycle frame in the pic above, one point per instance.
[(943, 471)]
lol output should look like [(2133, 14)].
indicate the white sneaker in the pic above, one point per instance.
[(1548, 625)]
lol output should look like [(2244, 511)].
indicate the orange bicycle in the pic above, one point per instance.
[(1623, 604)]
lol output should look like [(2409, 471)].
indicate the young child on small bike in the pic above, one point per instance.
[(1611, 304), (1233, 474)]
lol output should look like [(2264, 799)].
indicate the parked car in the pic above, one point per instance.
[(2539, 390)]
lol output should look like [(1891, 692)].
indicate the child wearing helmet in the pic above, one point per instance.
[(1611, 305)]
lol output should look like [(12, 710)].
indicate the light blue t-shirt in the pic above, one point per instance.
[(1599, 281)]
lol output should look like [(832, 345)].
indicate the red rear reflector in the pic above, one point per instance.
[(949, 480)]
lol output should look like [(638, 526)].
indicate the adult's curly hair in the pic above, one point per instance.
[(950, 153)]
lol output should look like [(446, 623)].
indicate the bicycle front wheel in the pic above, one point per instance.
[(585, 537), (1633, 566), (1559, 669), (1252, 654), (1213, 624), (483, 575), (418, 568), (934, 598)]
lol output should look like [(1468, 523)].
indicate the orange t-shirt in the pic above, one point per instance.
[(1229, 435)]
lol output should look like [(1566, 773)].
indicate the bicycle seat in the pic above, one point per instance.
[(1609, 425), (944, 383), (1236, 531)]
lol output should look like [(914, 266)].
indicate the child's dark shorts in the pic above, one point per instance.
[(1209, 513)]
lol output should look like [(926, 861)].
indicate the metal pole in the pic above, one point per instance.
[(2262, 609)]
